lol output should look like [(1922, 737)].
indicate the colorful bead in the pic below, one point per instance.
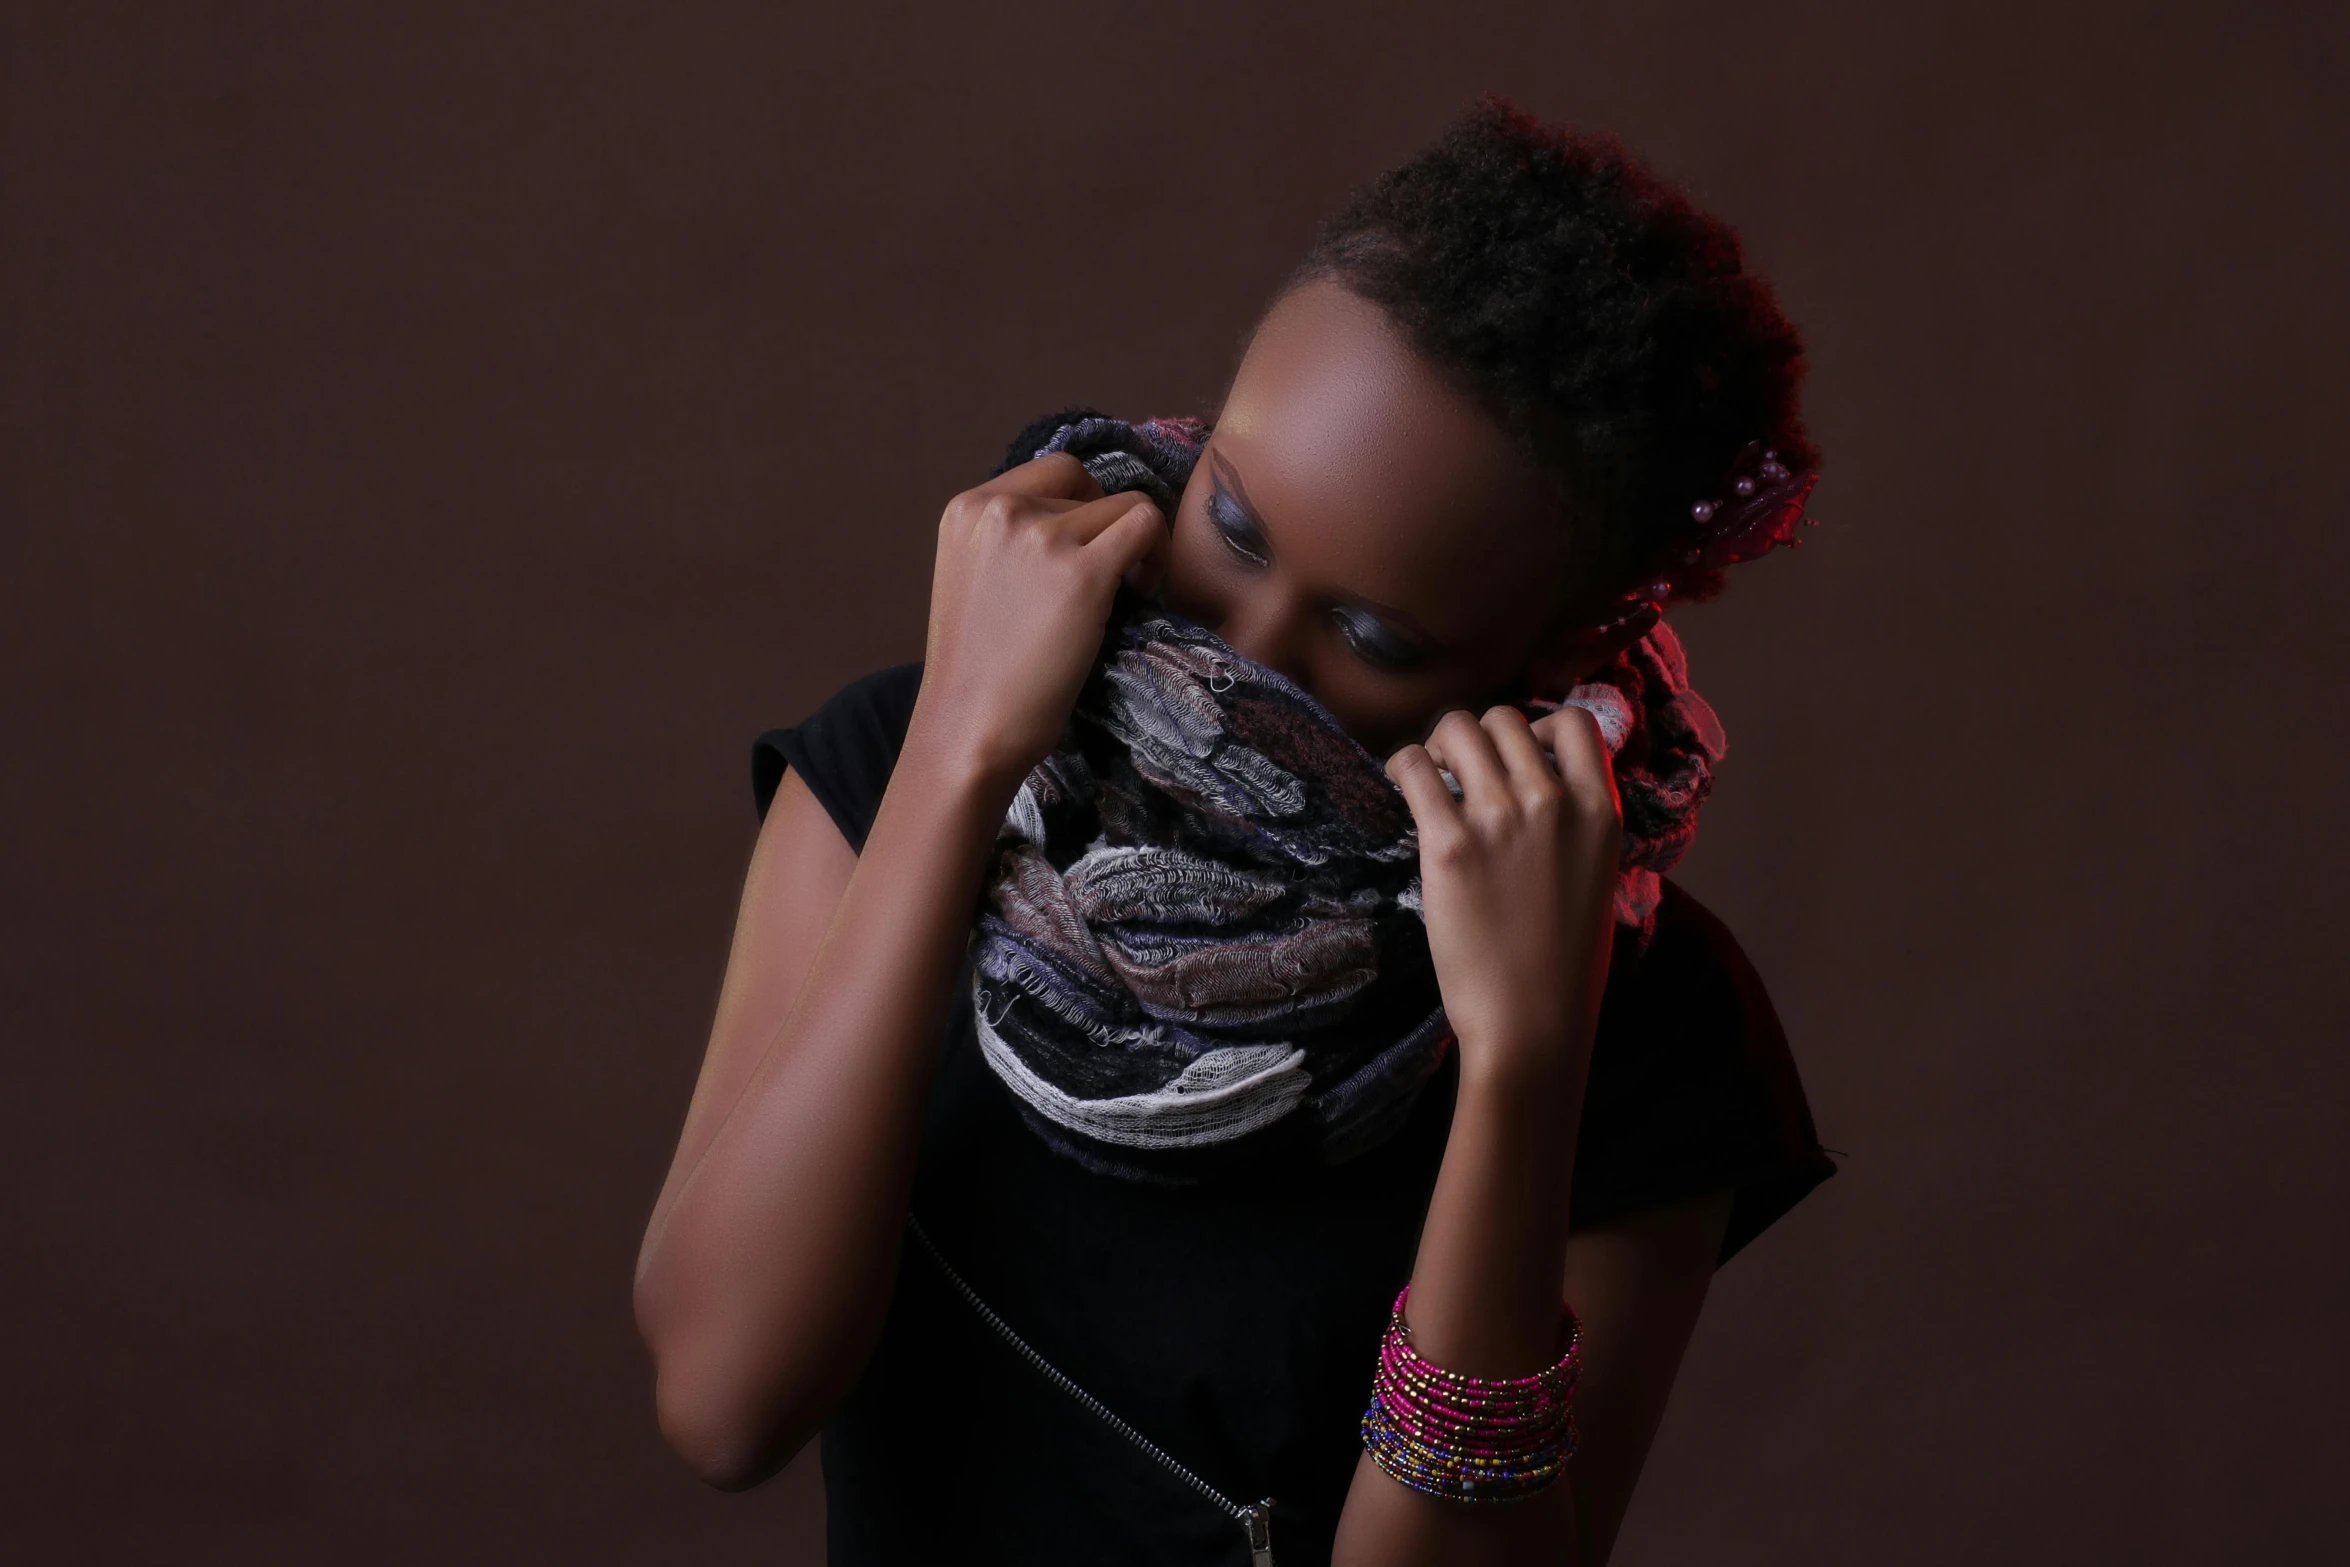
[(1479, 1439)]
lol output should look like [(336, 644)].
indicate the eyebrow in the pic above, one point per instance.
[(1229, 477)]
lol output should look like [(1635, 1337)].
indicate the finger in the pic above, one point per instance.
[(1133, 546), (1531, 772), (1580, 751), (1082, 525), (1054, 476), (1434, 810), (1146, 575), (1562, 726), (1608, 706), (1463, 748)]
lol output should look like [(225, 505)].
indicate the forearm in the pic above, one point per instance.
[(1485, 1301), (763, 1283)]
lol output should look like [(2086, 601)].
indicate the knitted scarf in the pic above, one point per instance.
[(1200, 948)]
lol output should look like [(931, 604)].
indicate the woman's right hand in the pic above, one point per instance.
[(1027, 566)]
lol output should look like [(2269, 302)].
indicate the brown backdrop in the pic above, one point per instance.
[(437, 437)]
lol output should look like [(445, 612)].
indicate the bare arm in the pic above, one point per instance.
[(770, 1260), (1638, 1287), (772, 1251), (1518, 880)]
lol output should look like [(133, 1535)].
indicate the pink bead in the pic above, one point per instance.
[(1486, 1438)]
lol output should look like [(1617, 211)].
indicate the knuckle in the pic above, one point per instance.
[(1446, 845), (1492, 820), (1456, 723), (1064, 474), (1600, 818), (1561, 718)]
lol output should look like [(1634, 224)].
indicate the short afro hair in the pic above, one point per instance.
[(1608, 323)]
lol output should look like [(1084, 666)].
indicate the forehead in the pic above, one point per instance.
[(1377, 478)]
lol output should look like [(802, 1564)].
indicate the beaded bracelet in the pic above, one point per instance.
[(1473, 1439)]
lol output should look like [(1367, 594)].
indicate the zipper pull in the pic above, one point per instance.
[(1258, 1521)]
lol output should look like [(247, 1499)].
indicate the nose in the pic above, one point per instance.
[(1272, 629)]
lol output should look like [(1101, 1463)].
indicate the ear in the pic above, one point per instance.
[(1568, 655)]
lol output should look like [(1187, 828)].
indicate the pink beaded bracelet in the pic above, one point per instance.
[(1474, 1439)]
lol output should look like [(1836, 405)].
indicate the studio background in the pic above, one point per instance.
[(438, 437)]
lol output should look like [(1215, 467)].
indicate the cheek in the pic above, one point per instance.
[(1383, 714), (1387, 712)]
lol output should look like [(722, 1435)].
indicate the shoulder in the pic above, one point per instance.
[(1693, 1087), (845, 750), (1695, 966)]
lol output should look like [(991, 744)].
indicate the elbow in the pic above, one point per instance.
[(725, 1448), (733, 1422), (738, 1393), (733, 1429)]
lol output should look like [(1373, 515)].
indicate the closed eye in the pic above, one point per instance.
[(1376, 643), (1368, 628), (1237, 528)]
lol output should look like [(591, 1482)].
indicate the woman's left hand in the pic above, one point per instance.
[(1517, 882)]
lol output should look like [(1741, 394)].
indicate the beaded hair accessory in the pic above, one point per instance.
[(1761, 508)]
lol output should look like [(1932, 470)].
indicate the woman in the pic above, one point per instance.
[(1517, 397)]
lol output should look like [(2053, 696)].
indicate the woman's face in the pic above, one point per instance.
[(1365, 528)]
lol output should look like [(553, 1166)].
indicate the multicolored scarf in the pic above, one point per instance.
[(1200, 947)]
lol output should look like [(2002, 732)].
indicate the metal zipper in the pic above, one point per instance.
[(1256, 1520)]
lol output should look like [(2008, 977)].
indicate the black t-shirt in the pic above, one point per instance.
[(1235, 1326)]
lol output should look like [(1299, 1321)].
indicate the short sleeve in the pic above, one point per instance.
[(844, 751), (1692, 1088)]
